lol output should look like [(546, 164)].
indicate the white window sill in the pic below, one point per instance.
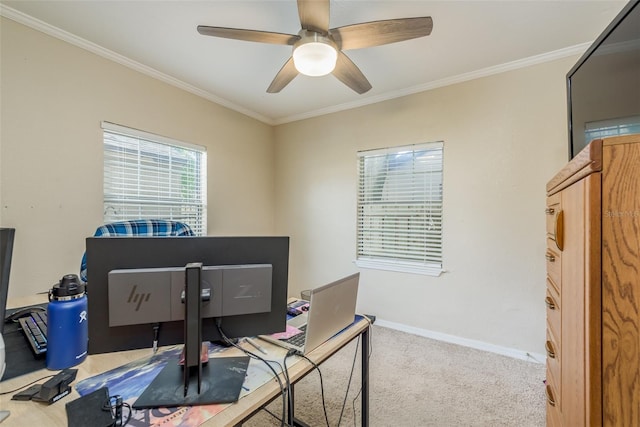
[(400, 267)]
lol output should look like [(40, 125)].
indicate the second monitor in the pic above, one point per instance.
[(108, 254)]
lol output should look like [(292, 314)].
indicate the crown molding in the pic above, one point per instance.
[(50, 30), (485, 72), (58, 33)]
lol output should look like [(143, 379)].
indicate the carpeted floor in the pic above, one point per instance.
[(416, 381)]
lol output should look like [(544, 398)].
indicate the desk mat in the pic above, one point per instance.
[(221, 382), (131, 379)]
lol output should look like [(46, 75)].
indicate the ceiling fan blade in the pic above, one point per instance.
[(377, 33), (349, 74), (287, 73), (248, 35), (314, 15)]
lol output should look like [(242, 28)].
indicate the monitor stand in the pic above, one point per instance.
[(192, 382)]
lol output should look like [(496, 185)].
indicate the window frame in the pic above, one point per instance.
[(198, 202), (432, 210)]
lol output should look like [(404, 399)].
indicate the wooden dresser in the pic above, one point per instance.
[(593, 287)]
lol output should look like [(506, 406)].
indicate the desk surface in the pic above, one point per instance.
[(33, 413)]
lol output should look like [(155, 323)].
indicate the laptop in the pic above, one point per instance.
[(332, 308)]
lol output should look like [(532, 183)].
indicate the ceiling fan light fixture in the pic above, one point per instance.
[(315, 58)]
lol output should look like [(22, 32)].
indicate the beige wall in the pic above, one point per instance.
[(504, 137), (53, 98)]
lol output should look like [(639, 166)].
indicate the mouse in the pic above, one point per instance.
[(13, 317)]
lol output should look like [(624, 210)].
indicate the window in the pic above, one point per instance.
[(400, 208), (147, 176), (612, 127)]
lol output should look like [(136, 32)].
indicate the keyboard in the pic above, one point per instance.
[(34, 327), (298, 339)]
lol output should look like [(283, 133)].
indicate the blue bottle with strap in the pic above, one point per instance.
[(67, 323)]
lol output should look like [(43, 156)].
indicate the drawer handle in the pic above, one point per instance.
[(551, 305), (559, 230), (549, 211), (550, 351), (550, 397), (550, 257)]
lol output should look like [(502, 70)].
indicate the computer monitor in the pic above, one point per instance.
[(109, 254), (6, 250)]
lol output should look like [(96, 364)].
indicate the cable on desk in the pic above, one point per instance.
[(283, 390), (26, 385), (344, 402), (324, 406), (346, 393), (156, 337), (115, 405), (286, 375)]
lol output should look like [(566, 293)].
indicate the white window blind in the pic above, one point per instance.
[(400, 208), (147, 176)]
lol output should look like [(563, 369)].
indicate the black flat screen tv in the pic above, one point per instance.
[(603, 87)]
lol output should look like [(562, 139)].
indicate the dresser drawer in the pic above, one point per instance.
[(555, 221), (551, 212), (552, 301), (554, 263), (552, 393), (553, 348), (554, 417), (553, 286)]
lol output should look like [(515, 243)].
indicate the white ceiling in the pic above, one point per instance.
[(469, 39)]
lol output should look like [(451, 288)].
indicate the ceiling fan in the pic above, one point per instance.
[(318, 50)]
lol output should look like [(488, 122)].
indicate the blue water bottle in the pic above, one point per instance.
[(67, 324)]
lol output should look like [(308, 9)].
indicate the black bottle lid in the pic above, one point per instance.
[(69, 286)]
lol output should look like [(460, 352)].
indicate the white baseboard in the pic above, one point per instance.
[(479, 345)]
